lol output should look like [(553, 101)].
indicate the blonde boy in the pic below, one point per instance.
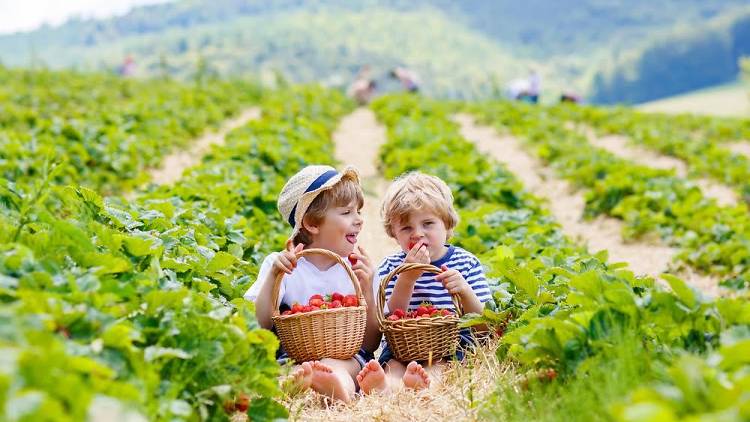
[(418, 213), (323, 207)]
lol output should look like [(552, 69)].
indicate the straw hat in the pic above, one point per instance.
[(300, 191)]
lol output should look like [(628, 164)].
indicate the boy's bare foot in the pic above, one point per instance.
[(303, 376), (325, 382), (416, 377), (371, 378)]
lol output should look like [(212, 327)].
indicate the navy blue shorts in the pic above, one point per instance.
[(466, 342), (362, 357)]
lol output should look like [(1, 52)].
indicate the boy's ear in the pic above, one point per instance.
[(311, 228)]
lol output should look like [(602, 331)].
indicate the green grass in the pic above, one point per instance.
[(728, 100)]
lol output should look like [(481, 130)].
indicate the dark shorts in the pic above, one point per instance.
[(362, 357), (466, 342)]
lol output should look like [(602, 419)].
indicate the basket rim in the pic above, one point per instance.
[(316, 251), (408, 266)]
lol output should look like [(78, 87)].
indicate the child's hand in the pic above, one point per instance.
[(453, 281), (418, 254), (286, 261), (363, 269)]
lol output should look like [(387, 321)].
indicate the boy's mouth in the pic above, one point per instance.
[(352, 238)]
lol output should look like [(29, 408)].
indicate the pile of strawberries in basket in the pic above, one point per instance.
[(318, 302), (425, 310)]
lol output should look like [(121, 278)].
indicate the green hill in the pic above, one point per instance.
[(730, 100), (459, 48)]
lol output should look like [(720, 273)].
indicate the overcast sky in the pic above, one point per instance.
[(22, 15)]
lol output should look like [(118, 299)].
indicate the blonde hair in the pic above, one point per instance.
[(341, 194), (418, 191)]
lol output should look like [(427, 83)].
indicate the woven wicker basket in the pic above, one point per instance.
[(335, 333), (420, 339)]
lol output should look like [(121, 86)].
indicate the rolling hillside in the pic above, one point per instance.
[(461, 49)]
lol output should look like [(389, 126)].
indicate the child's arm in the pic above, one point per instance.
[(285, 261), (365, 272), (401, 295), (456, 284)]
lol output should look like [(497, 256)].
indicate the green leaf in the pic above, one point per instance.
[(142, 245), (152, 353), (684, 293), (522, 278), (221, 261)]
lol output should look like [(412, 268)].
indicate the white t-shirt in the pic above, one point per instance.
[(305, 281)]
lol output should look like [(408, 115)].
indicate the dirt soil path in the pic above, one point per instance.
[(567, 207), (740, 148), (358, 139), (175, 164), (621, 147)]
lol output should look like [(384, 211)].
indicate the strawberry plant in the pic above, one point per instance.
[(561, 310), (101, 131), (138, 304)]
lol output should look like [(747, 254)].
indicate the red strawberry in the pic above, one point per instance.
[(287, 312), (411, 244), (316, 301), (353, 259), (399, 313), (316, 297), (307, 308), (297, 308), (548, 374), (337, 296), (350, 300), (242, 402), (335, 304), (393, 318), (423, 311)]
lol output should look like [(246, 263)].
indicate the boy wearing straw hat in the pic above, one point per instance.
[(418, 213), (323, 207)]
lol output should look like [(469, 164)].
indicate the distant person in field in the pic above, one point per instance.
[(516, 88), (535, 86), (408, 78), (363, 87), (128, 66), (526, 89), (570, 97)]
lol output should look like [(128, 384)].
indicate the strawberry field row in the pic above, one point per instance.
[(699, 141), (101, 131), (136, 307), (712, 238), (570, 311)]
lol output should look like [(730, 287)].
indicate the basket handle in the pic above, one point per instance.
[(316, 251), (404, 268)]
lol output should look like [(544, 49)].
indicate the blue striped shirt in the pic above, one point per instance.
[(427, 289)]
